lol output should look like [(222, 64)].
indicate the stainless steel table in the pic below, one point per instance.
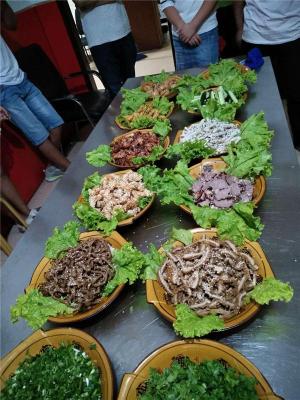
[(130, 328)]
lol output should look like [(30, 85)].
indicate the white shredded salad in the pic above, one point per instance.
[(216, 134)]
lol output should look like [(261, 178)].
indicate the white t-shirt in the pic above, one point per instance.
[(187, 9), (105, 24), (271, 21), (10, 73)]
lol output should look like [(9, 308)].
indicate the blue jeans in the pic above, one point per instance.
[(29, 110), (201, 56)]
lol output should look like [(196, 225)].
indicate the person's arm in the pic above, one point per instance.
[(8, 17), (191, 28), (175, 19), (238, 10)]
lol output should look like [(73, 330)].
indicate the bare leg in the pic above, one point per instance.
[(10, 193), (55, 136), (52, 154)]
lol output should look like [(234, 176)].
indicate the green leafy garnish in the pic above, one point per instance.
[(156, 153), (184, 236), (213, 110), (100, 156), (153, 261), (158, 78), (36, 309), (251, 156), (207, 380), (236, 224), (144, 201), (128, 262), (188, 324), (189, 150), (270, 289), (93, 220), (133, 99), (162, 128), (151, 177), (62, 239), (162, 104), (63, 373), (89, 183)]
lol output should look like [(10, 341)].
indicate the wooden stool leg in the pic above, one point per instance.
[(14, 212), (5, 246)]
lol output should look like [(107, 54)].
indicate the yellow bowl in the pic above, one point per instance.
[(197, 351), (54, 337), (156, 293), (38, 277), (218, 164), (130, 220)]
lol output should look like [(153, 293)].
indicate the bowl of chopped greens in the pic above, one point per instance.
[(163, 85), (134, 148), (139, 111), (111, 200), (80, 276), (206, 284), (215, 188), (195, 370), (62, 364)]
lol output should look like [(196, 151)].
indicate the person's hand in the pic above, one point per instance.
[(238, 37), (195, 41), (3, 114), (187, 31)]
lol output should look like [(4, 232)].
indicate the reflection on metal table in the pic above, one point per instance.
[(130, 328)]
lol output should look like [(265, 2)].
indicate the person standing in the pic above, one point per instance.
[(274, 27), (108, 33), (195, 32), (27, 107)]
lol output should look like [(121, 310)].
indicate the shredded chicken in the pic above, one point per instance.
[(161, 89), (118, 192), (210, 275), (79, 276)]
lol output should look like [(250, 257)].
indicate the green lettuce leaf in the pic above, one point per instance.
[(153, 261), (155, 155), (36, 309), (133, 99), (188, 324), (270, 289), (162, 128), (142, 122), (158, 78), (151, 177), (62, 239), (144, 201), (128, 263), (100, 156), (184, 236), (93, 220), (162, 104), (236, 224), (89, 183), (213, 110), (188, 151)]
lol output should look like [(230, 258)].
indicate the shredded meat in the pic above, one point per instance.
[(137, 144), (118, 192), (146, 109), (161, 89), (220, 190), (79, 276), (210, 275)]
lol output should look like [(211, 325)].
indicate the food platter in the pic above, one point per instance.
[(197, 351), (165, 144), (259, 186), (34, 343), (126, 128), (170, 95), (156, 293), (130, 220), (116, 241), (241, 67), (179, 133)]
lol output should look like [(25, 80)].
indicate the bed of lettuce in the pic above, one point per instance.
[(226, 74)]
